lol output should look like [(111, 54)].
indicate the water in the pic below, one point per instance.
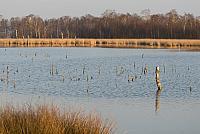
[(98, 79)]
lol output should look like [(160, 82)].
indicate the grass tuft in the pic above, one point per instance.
[(49, 120)]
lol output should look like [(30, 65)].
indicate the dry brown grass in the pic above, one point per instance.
[(107, 43), (49, 120)]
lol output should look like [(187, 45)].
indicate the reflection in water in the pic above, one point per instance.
[(159, 86), (157, 105)]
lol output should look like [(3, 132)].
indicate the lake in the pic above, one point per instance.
[(118, 84)]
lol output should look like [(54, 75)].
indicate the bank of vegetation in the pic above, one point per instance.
[(109, 25), (49, 120)]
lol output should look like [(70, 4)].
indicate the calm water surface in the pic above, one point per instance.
[(100, 80)]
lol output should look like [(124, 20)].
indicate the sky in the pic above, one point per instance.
[(58, 8)]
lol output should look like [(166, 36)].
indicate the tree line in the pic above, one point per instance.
[(109, 25)]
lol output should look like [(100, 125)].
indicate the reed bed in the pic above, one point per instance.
[(106, 43), (50, 120)]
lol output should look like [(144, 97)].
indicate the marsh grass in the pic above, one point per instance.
[(105, 43), (50, 120)]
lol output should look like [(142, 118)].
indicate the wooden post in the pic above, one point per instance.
[(158, 83), (145, 69), (159, 86)]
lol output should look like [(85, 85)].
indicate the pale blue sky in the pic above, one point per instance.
[(57, 8)]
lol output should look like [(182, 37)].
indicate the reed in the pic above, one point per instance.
[(184, 44), (50, 120)]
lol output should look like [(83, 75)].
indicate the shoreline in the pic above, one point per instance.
[(103, 43)]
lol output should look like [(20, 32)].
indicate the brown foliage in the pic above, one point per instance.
[(49, 120), (110, 25)]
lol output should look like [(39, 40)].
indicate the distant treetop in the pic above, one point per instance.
[(109, 25)]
